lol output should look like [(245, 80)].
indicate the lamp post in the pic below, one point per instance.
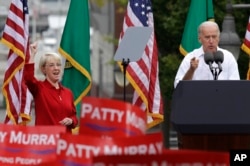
[(229, 39)]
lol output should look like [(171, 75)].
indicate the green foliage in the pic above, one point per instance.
[(168, 67), (243, 63), (99, 3), (169, 19)]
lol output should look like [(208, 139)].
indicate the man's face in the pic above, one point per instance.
[(209, 38)]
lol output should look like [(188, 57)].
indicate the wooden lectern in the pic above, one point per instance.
[(212, 115)]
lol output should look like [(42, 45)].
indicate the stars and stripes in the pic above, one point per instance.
[(16, 38), (143, 74), (246, 45)]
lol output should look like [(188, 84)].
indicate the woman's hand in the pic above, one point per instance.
[(66, 121), (33, 51)]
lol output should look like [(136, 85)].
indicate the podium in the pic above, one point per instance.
[(212, 115)]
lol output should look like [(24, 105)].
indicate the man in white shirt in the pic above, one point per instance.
[(194, 67)]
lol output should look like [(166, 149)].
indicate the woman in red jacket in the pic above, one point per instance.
[(54, 103)]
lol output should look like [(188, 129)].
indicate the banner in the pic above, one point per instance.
[(80, 149), (111, 118), (28, 145), (167, 158)]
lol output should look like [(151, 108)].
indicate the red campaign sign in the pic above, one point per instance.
[(111, 118), (80, 149), (28, 145), (167, 158)]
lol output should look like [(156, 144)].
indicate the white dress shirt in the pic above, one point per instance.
[(229, 67)]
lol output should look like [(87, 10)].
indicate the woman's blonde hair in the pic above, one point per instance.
[(46, 57)]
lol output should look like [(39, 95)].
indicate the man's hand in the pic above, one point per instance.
[(194, 64)]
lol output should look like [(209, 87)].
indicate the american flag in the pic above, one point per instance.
[(143, 74), (16, 38), (246, 45)]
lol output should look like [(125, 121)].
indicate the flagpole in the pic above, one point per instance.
[(34, 17), (125, 65)]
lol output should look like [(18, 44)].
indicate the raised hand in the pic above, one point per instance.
[(33, 51), (194, 64)]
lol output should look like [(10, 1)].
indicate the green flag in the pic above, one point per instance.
[(199, 11), (75, 47)]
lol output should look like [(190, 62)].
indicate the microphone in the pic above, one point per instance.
[(219, 58), (209, 59)]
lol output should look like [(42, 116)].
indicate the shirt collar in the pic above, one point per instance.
[(48, 84)]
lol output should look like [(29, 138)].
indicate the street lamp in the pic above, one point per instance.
[(229, 39)]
